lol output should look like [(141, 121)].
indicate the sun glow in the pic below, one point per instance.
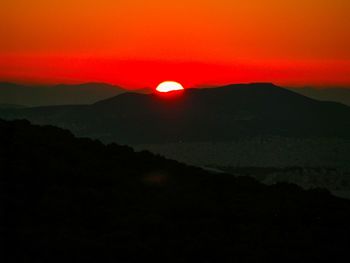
[(168, 86)]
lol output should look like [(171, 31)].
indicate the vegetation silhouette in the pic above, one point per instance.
[(68, 199)]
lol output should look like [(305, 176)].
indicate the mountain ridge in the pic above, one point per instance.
[(216, 114), (336, 94), (60, 94)]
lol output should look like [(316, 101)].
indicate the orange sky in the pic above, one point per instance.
[(139, 43)]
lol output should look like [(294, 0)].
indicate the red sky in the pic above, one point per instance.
[(139, 43)]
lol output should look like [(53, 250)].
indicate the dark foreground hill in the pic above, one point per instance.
[(218, 114), (56, 95), (65, 199)]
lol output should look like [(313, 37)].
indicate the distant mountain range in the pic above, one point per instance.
[(341, 95), (56, 95), (67, 199), (11, 106), (24, 95), (217, 114), (251, 125)]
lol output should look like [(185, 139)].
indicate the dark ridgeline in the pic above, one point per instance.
[(220, 114), (65, 199), (336, 94), (62, 94), (11, 106)]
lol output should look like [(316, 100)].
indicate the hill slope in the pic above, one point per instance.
[(65, 199), (341, 95), (218, 114)]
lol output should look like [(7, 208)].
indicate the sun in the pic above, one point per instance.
[(168, 86)]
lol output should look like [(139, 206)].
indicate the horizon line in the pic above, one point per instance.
[(30, 84)]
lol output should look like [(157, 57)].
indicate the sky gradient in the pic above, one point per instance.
[(139, 43)]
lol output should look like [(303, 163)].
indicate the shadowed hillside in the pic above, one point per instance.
[(319, 162), (65, 199)]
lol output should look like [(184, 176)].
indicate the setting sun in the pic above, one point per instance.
[(168, 86)]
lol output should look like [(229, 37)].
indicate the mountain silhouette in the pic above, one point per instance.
[(86, 93), (216, 114), (11, 106), (67, 199), (341, 95)]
